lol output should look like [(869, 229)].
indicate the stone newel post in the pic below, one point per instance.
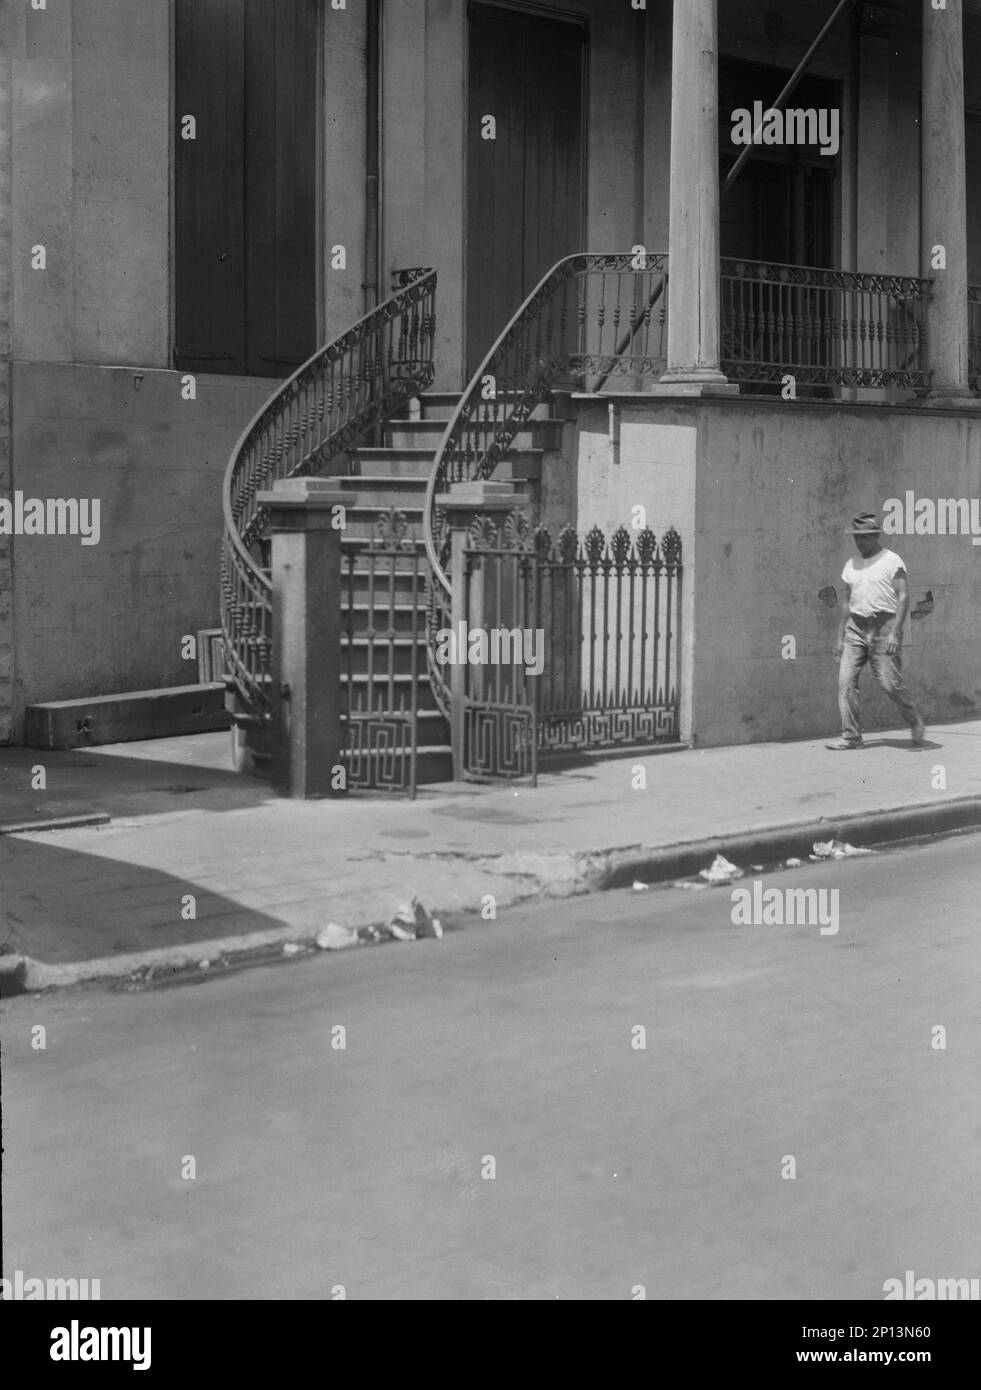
[(306, 576)]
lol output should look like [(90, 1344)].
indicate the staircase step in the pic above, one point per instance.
[(440, 405), (361, 687), (427, 434), (374, 460), (139, 714), (373, 490), (397, 464)]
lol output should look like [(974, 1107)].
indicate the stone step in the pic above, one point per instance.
[(440, 405), (123, 718), (385, 654), (372, 489), (360, 688), (427, 434)]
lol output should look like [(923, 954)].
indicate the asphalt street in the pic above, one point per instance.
[(492, 1127)]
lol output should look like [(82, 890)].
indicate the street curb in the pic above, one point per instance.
[(577, 874), (796, 840)]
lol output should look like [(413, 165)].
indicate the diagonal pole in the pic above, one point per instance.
[(840, 10)]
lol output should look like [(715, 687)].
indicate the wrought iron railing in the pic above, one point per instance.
[(823, 327), (592, 316), (974, 336), (315, 418)]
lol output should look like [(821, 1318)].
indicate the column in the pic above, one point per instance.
[(944, 198), (307, 734), (693, 286)]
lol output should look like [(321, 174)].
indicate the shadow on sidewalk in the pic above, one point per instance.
[(905, 744), (59, 905), (166, 775)]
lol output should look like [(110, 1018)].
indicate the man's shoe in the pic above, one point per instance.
[(844, 745), (918, 731)]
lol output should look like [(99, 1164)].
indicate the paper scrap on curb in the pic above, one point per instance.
[(336, 938), (721, 871), (835, 849)]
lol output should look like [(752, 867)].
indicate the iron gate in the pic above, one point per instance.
[(383, 644), (566, 646)]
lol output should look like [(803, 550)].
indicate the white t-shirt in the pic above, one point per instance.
[(871, 583)]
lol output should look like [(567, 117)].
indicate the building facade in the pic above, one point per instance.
[(196, 194)]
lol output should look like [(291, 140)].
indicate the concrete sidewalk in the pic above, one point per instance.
[(263, 871)]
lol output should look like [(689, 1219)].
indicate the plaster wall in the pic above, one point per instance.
[(776, 485), (99, 619), (634, 469), (91, 147)]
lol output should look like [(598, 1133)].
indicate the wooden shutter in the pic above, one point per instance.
[(245, 190), (280, 184), (209, 250)]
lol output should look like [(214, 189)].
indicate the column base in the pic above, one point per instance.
[(952, 397), (694, 383)]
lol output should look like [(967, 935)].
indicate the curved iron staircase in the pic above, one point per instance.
[(590, 317), (312, 424)]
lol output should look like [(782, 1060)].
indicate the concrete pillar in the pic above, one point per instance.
[(307, 734), (693, 287), (944, 197), (462, 504)]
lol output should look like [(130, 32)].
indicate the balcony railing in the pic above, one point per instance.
[(974, 336), (825, 328)]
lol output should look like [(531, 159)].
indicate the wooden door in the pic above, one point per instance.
[(525, 205)]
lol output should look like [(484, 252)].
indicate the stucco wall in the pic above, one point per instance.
[(91, 182), (776, 486), (761, 495), (637, 460), (94, 620)]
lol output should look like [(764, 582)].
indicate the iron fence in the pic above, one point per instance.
[(579, 640)]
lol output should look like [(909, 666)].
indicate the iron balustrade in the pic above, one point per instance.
[(974, 336), (823, 327), (591, 317), (319, 414)]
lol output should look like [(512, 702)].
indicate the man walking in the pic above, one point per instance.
[(873, 613)]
